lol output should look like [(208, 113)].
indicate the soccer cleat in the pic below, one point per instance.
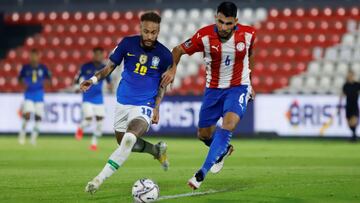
[(93, 147), (79, 134), (195, 181), (219, 164), (93, 186), (162, 158)]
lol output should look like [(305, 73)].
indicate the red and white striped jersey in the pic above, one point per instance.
[(227, 63)]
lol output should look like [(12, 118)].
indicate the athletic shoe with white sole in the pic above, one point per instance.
[(195, 181), (219, 164), (163, 158), (93, 186)]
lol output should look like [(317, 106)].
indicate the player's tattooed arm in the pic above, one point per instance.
[(169, 75), (159, 97), (103, 73), (107, 70)]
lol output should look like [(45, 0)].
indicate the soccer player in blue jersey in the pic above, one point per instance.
[(33, 76), (138, 96), (93, 101)]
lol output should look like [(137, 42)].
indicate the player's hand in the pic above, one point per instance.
[(85, 85), (252, 95), (155, 117), (168, 77)]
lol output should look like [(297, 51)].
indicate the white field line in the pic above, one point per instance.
[(189, 194)]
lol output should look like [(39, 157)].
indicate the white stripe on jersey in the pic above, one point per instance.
[(245, 80), (207, 59), (226, 70)]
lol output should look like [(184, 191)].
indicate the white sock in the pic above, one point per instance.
[(118, 157), (85, 123), (97, 133), (23, 128), (35, 132)]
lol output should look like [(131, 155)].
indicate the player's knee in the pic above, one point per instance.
[(99, 118), (229, 125), (88, 119), (26, 116), (137, 126), (37, 118)]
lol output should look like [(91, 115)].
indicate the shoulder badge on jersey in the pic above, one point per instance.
[(155, 62), (188, 43), (240, 46), (143, 59)]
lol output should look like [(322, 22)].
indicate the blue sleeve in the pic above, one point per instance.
[(22, 73), (167, 62), (82, 71), (118, 53), (47, 73)]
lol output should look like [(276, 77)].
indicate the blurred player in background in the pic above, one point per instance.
[(33, 76), (351, 91), (138, 95), (227, 48), (93, 100)]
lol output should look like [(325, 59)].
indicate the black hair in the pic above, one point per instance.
[(227, 8), (151, 16), (95, 49)]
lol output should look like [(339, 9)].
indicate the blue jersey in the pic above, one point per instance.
[(142, 71), (94, 94), (34, 78)]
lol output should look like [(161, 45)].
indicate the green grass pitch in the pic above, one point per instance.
[(58, 169)]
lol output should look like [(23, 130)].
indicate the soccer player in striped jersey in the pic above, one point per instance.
[(227, 47), (33, 76)]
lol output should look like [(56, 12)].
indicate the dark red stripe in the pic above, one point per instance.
[(239, 61), (215, 62)]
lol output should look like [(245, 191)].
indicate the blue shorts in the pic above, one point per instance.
[(217, 102)]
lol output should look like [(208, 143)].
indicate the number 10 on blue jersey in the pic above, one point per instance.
[(140, 69)]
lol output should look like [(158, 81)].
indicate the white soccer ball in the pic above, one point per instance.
[(145, 190)]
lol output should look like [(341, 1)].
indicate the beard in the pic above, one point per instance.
[(148, 44), (225, 35)]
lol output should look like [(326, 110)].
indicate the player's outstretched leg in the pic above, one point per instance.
[(136, 128), (96, 135), (217, 148), (158, 151), (206, 136), (116, 159)]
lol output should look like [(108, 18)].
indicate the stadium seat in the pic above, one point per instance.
[(310, 85), (324, 85), (314, 68), (338, 82), (342, 69), (288, 39), (328, 68)]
